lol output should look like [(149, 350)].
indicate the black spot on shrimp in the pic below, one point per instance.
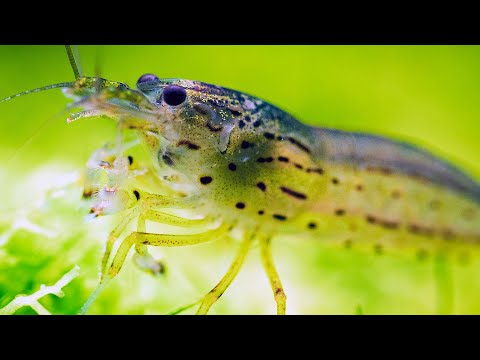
[(371, 219), (137, 194), (299, 145), (240, 205), (262, 186), (205, 180), (319, 171), (388, 224), (420, 230), (269, 136), (235, 113), (293, 193), (213, 128), (264, 160), (339, 212), (245, 144), (189, 144)]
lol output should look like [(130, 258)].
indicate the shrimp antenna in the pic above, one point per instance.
[(54, 86), (74, 59)]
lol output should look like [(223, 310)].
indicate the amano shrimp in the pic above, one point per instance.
[(223, 162)]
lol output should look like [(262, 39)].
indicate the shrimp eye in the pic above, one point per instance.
[(174, 95), (147, 78)]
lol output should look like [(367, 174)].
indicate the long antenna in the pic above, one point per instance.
[(74, 59), (54, 86), (77, 70)]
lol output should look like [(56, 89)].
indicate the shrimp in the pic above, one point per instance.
[(222, 164)]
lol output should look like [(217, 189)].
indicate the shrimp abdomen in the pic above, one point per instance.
[(395, 186)]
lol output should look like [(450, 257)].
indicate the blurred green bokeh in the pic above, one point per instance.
[(428, 95)]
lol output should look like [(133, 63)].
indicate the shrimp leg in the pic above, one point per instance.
[(146, 200), (271, 271), (227, 279), (142, 257), (142, 238), (158, 240), (114, 235)]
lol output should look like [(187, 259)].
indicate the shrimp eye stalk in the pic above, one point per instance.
[(147, 82)]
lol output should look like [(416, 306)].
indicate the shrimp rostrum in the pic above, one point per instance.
[(220, 160)]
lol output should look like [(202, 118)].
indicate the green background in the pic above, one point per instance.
[(428, 95)]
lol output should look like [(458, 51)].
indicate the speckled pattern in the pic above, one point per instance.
[(244, 164), (234, 149)]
